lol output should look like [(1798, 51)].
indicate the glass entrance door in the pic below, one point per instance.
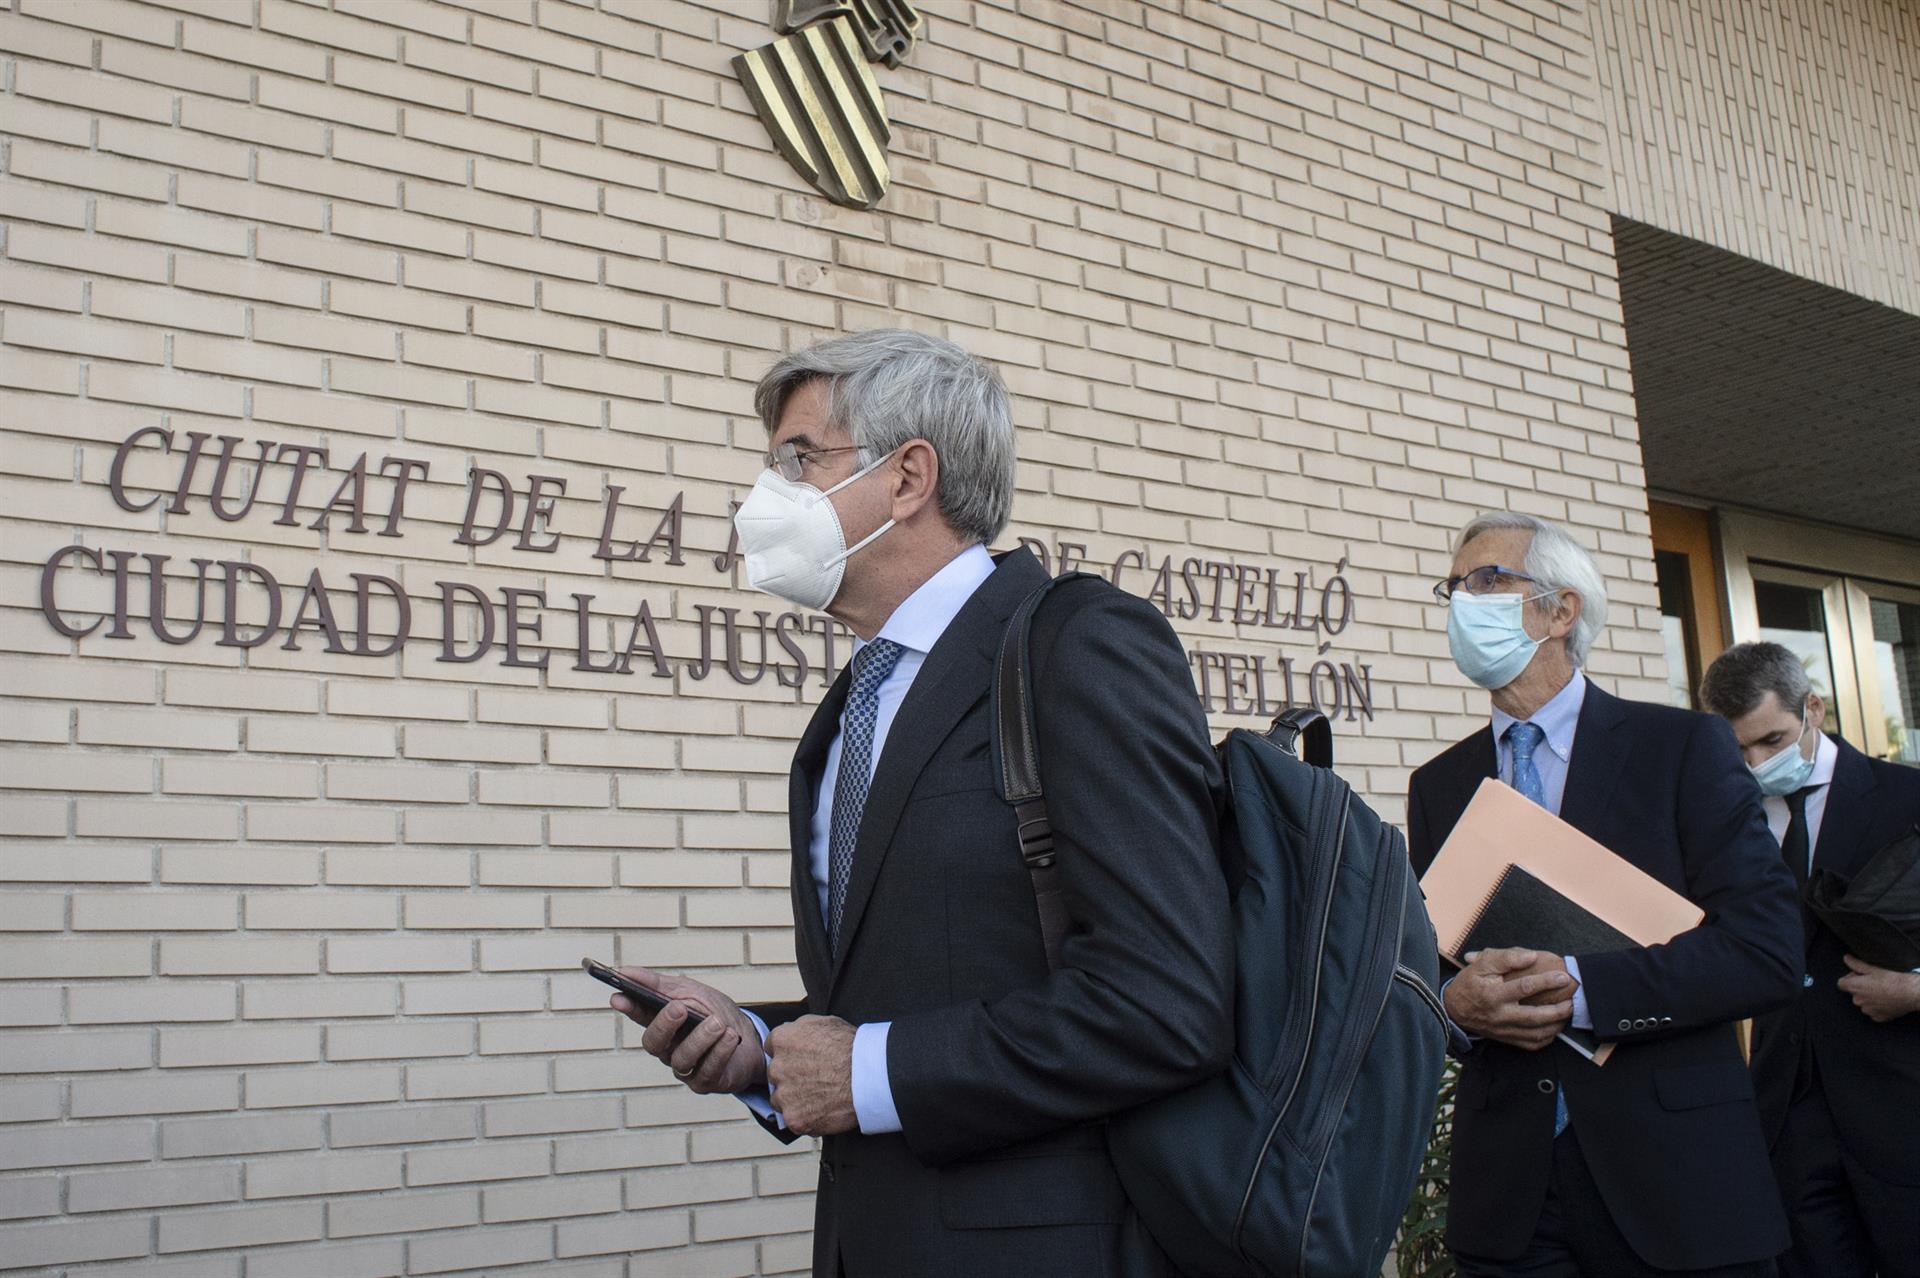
[(1892, 642), (1798, 610)]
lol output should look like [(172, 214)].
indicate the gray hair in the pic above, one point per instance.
[(1741, 677), (1556, 562), (892, 385)]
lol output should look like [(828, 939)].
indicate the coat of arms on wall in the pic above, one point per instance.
[(816, 96)]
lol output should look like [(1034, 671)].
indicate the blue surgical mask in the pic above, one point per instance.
[(1787, 771), (1488, 640)]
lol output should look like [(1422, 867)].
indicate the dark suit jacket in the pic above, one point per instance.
[(1668, 1126), (1001, 1070), (1870, 1073)]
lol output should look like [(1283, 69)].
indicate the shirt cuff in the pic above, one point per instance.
[(872, 1092), (1582, 1017), (760, 1099)]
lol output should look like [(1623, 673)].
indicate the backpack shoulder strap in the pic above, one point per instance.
[(1305, 734), (1016, 763)]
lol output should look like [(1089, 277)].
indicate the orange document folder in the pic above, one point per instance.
[(1502, 828)]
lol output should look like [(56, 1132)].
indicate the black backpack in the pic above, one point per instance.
[(1298, 1160)]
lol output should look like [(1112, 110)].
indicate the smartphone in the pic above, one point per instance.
[(650, 999)]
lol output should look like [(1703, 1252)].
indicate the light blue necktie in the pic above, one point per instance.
[(871, 666), (1525, 738)]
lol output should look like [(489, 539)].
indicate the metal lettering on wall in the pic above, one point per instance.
[(373, 615), (820, 103)]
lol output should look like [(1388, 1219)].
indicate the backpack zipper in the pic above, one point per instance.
[(1327, 790), (1407, 976), (1390, 898), (1351, 1076), (1313, 1010)]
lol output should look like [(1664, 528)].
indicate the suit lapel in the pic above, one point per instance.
[(954, 678), (1598, 756), (1474, 764), (803, 788), (1844, 824)]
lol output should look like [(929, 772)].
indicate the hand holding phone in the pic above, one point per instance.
[(645, 997), (700, 1033)]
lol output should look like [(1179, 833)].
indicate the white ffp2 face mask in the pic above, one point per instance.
[(792, 539)]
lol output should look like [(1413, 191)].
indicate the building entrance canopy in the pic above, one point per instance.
[(1761, 389)]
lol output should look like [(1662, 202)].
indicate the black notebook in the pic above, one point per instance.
[(1524, 913)]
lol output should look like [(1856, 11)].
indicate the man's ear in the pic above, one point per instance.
[(1566, 613), (1816, 711), (918, 468)]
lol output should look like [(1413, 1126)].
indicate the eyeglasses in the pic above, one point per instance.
[(791, 460), (1479, 581)]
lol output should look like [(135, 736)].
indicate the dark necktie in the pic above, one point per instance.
[(871, 666), (1794, 844)]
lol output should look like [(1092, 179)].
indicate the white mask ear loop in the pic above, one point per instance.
[(871, 537), (857, 475), (858, 546)]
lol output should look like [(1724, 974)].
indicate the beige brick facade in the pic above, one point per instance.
[(1784, 131), (289, 928)]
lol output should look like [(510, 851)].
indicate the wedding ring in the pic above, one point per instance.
[(682, 1073)]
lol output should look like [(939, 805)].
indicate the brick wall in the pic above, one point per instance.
[(290, 933), (1784, 130)]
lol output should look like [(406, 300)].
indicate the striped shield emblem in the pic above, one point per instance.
[(823, 109)]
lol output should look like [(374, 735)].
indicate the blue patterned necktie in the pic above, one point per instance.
[(871, 666), (1525, 738)]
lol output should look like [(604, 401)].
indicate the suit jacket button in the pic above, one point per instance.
[(1666, 1020), (1625, 1024), (1545, 1085), (1640, 1024)]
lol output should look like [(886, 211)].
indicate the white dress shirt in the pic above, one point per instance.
[(916, 625), (1825, 755)]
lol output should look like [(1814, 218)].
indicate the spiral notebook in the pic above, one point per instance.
[(1524, 912), (1514, 874)]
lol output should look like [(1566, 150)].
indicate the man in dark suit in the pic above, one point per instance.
[(1838, 1071), (960, 1084), (1654, 1163)]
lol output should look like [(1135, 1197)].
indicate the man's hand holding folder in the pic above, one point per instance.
[(1520, 997), (1514, 889)]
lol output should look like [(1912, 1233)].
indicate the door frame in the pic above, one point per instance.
[(1860, 595), (1688, 531)]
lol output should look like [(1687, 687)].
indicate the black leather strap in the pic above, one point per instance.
[(1305, 734), (1016, 764)]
